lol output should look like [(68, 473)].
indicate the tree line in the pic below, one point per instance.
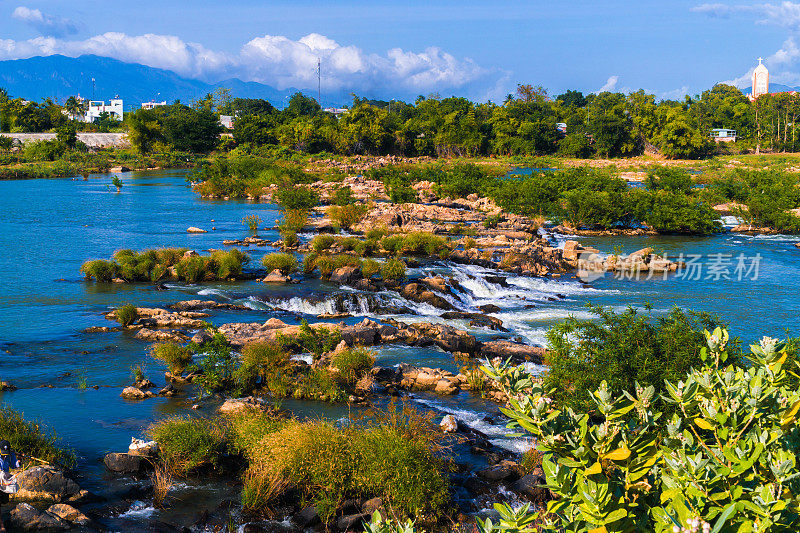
[(529, 122)]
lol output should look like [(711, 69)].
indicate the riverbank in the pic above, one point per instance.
[(19, 165)]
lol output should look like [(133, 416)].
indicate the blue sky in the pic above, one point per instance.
[(395, 49)]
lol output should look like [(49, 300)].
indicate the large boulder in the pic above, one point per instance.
[(45, 483), (238, 406), (346, 274), (518, 353), (533, 486), (134, 393), (68, 513), (25, 517), (449, 424), (417, 292), (125, 463), (275, 277), (365, 333)]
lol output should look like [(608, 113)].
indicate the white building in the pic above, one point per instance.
[(760, 80), (96, 108), (723, 135), (226, 121), (153, 105)]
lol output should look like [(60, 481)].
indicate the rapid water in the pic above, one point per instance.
[(48, 228)]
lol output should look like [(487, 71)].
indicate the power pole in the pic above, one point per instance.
[(319, 81)]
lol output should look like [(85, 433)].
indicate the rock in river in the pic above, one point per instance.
[(45, 483)]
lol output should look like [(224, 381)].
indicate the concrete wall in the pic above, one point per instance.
[(92, 140)]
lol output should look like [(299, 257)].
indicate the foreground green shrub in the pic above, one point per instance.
[(622, 349), (353, 363), (726, 457), (393, 270), (126, 314), (261, 364), (176, 357), (286, 263), (188, 444), (395, 459), (34, 440)]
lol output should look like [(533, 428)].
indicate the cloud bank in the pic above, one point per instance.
[(279, 61), (45, 24), (783, 63)]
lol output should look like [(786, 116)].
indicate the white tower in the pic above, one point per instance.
[(760, 80)]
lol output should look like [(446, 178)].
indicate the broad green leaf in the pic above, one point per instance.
[(702, 423), (620, 454)]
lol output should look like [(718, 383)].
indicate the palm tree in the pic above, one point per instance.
[(74, 107)]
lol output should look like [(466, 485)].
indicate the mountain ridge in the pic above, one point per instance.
[(58, 77)]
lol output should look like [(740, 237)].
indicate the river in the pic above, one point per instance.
[(48, 228)]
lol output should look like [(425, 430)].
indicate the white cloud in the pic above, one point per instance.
[(278, 61), (610, 84), (784, 62), (45, 24), (714, 10)]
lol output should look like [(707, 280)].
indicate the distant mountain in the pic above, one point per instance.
[(59, 77), (774, 88)]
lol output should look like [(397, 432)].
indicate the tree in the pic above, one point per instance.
[(611, 126), (301, 105), (67, 136), (529, 93), (681, 140), (144, 130), (106, 121), (572, 98), (256, 130), (75, 108), (190, 130)]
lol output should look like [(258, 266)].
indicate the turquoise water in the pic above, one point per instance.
[(48, 228)]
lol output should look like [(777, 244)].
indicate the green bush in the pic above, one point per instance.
[(154, 265), (192, 269), (261, 363), (176, 357), (317, 340), (216, 366), (353, 363), (286, 263), (189, 444), (621, 349), (343, 196), (320, 243), (127, 314), (99, 270), (317, 384), (325, 265), (347, 216), (726, 457), (33, 439), (393, 270), (396, 460), (296, 197), (370, 267)]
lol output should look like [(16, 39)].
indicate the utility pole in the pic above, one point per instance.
[(319, 81)]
